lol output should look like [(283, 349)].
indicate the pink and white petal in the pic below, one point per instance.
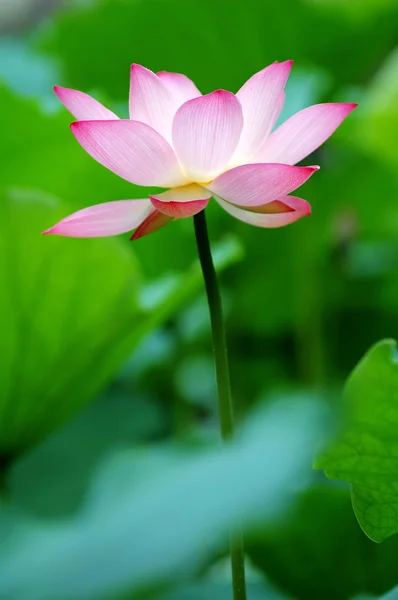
[(154, 221), (182, 202), (82, 106), (132, 150), (262, 99), (103, 220), (206, 131), (253, 185), (151, 102), (303, 133), (299, 208), (180, 86)]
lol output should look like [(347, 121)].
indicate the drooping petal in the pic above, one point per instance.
[(181, 202), (182, 88), (303, 133), (132, 150), (253, 185), (153, 222), (291, 210), (151, 101), (262, 99), (102, 220), (206, 132), (82, 106)]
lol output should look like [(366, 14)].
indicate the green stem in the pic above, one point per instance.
[(223, 381), (4, 463)]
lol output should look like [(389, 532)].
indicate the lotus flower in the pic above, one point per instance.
[(220, 144)]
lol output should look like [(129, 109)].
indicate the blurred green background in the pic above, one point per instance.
[(107, 392)]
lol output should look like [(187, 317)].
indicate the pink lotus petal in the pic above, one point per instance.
[(132, 150), (262, 99), (151, 101), (253, 185), (206, 132), (182, 88), (182, 201), (152, 223), (82, 106), (102, 220), (179, 210), (292, 210), (303, 133)]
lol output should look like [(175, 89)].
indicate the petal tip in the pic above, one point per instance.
[(77, 125), (59, 91), (138, 233), (284, 66), (310, 169), (348, 106), (50, 231), (137, 67), (221, 93), (302, 207)]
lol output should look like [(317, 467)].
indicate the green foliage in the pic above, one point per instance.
[(162, 512), (380, 112), (235, 39), (113, 422), (75, 309), (366, 453), (393, 595), (323, 527), (59, 318), (106, 379), (221, 591)]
